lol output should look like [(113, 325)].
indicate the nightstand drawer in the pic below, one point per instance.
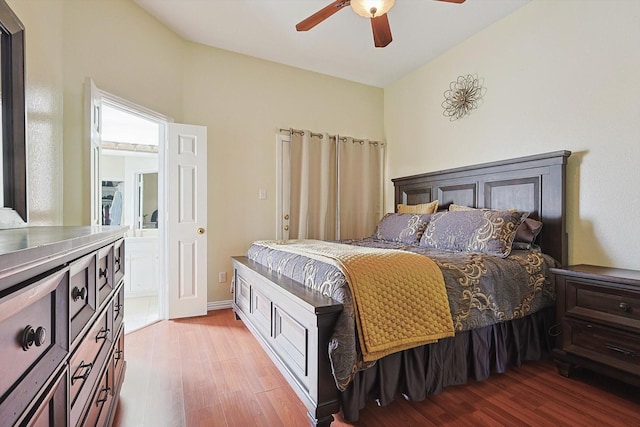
[(613, 347), (594, 301)]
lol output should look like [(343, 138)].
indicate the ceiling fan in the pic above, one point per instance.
[(374, 9)]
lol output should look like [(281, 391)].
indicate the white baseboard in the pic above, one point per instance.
[(218, 305)]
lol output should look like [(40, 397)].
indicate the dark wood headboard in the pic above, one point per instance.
[(535, 184)]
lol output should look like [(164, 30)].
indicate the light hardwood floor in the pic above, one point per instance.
[(210, 371)]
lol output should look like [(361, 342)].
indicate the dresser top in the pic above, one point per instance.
[(23, 246)]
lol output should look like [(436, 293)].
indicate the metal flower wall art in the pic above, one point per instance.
[(463, 96)]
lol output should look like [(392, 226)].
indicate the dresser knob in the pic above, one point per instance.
[(78, 293), (623, 306), (32, 336), (102, 273)]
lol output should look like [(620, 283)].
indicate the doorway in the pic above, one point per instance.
[(180, 215), (129, 178)]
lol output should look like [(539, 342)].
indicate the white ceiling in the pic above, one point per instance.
[(341, 46)]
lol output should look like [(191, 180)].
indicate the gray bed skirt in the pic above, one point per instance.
[(475, 354)]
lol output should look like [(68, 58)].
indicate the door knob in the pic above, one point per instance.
[(200, 230), (286, 217)]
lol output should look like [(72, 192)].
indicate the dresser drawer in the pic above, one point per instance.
[(616, 348), (51, 408), (105, 283), (118, 308), (86, 363), (118, 261), (98, 411), (117, 359), (596, 301), (34, 340), (82, 294)]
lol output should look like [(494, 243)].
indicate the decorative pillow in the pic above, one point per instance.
[(526, 233), (478, 230), (425, 208), (403, 228), (455, 208)]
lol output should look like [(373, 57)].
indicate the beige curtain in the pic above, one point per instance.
[(360, 172), (313, 186), (335, 186)]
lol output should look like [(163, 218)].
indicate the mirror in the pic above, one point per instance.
[(112, 200), (14, 160), (147, 200)]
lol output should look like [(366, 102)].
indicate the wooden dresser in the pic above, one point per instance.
[(61, 330), (598, 310)]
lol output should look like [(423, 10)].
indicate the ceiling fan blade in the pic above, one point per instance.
[(453, 1), (321, 15), (381, 30)]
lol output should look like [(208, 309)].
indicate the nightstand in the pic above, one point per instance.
[(598, 315)]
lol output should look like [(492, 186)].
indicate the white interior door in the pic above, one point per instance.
[(186, 220)]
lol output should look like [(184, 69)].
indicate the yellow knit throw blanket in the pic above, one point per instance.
[(400, 298)]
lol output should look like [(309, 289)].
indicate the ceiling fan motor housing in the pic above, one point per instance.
[(371, 8)]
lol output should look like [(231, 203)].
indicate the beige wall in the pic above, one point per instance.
[(127, 53), (44, 101), (559, 75)]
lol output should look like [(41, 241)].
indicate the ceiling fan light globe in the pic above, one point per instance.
[(371, 8)]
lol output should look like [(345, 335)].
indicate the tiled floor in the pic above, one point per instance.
[(140, 312)]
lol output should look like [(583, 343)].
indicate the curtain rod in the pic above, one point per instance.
[(342, 138)]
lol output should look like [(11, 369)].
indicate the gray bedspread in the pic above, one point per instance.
[(483, 290)]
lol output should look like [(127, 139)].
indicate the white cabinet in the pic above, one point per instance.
[(142, 264)]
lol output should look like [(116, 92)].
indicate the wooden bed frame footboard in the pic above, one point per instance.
[(294, 324)]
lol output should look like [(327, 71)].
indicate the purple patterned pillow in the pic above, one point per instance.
[(487, 231), (526, 233), (403, 228)]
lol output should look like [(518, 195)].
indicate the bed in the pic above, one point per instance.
[(296, 323)]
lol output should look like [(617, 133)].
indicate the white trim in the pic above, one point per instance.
[(133, 108), (219, 305)]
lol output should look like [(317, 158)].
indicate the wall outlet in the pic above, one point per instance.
[(222, 277), (262, 194)]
